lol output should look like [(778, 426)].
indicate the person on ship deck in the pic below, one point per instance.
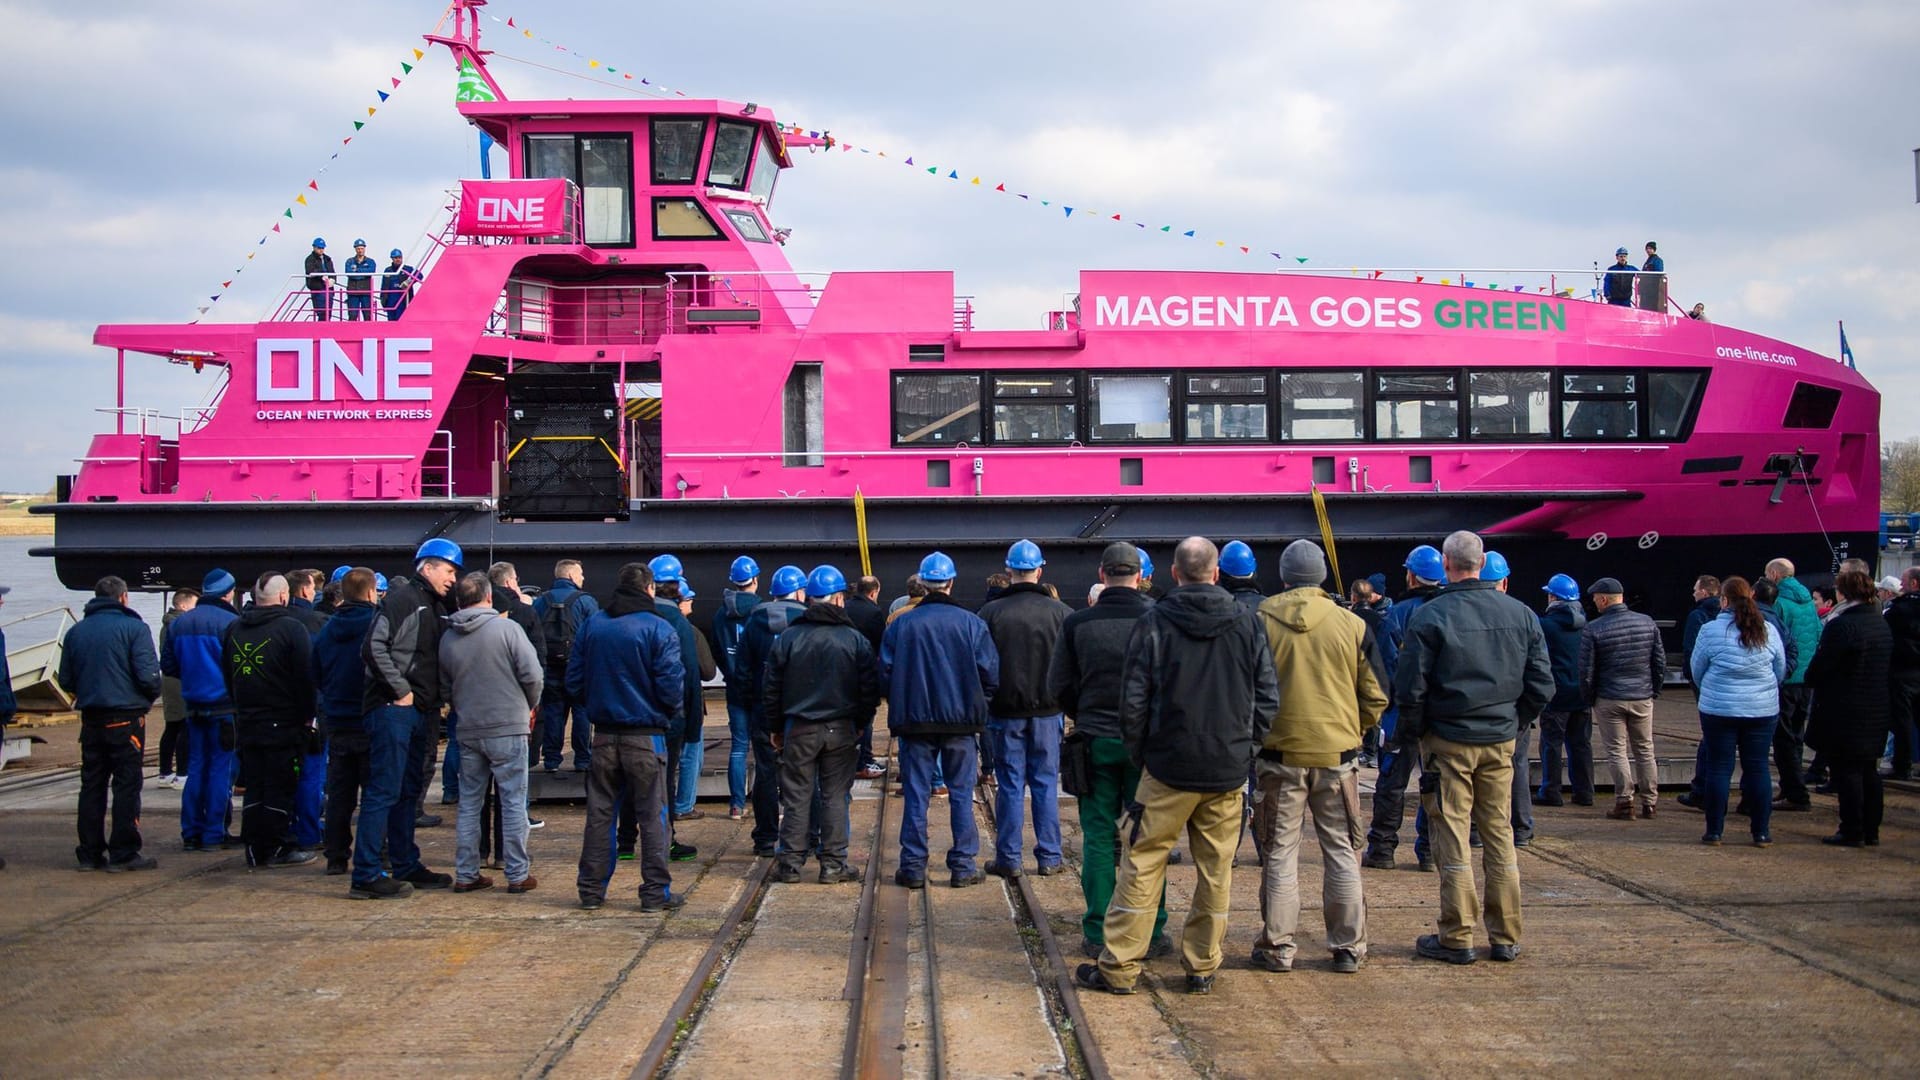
[(1618, 284), (319, 268), (360, 267)]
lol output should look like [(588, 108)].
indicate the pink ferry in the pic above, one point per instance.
[(609, 357)]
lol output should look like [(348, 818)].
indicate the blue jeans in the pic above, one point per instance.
[(310, 801), (1753, 737), (957, 756), (209, 793), (360, 306), (450, 761), (738, 751), (395, 736), (504, 758), (554, 707), (686, 781), (1027, 757)]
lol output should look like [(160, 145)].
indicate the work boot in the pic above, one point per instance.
[(1160, 946), (1269, 960), (292, 857), (480, 881), (423, 878), (336, 867), (138, 862), (1505, 954), (1050, 869), (1788, 806), (909, 881), (1090, 977), (998, 869), (678, 852), (671, 902), (1378, 860), (1547, 800), (1426, 863), (1200, 984), (1346, 961), (834, 875), (380, 888), (962, 881), (428, 821), (1646, 812), (1622, 811), (524, 885), (786, 875), (1429, 946)]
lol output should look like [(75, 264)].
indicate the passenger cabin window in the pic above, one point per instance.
[(1811, 406), (732, 153), (766, 170), (1042, 407), (748, 226), (1510, 404), (676, 148), (1227, 407), (602, 167), (1322, 406), (1416, 406), (1600, 406), (803, 416), (1130, 408), (1674, 395), (683, 219), (937, 410)]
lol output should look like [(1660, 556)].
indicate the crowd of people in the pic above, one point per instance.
[(1199, 707)]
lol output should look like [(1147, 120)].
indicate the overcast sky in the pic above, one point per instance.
[(1767, 146)]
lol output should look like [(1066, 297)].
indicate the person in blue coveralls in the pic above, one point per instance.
[(397, 284), (360, 267), (193, 657), (1618, 284)]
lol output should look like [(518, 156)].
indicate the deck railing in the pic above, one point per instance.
[(706, 302), (563, 314)]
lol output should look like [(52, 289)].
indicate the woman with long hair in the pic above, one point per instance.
[(1738, 662), (1850, 707)]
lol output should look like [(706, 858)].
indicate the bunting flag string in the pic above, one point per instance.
[(301, 198)]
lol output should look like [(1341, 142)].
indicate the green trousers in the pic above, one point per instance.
[(1114, 779)]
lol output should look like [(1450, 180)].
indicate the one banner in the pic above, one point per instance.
[(513, 207)]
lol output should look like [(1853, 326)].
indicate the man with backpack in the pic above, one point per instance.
[(765, 623), (729, 624), (562, 610)]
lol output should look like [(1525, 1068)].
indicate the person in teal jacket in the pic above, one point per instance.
[(1802, 621)]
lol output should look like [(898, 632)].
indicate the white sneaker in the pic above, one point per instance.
[(180, 780), (535, 823), (166, 780)]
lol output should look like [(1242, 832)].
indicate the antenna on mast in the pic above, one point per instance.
[(464, 42)]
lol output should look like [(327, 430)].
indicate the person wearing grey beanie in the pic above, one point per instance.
[(1303, 563)]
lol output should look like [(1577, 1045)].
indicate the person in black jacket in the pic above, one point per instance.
[(1622, 666), (863, 607), (765, 623), (1567, 721), (820, 690), (319, 267), (340, 682), (1198, 693), (269, 668), (738, 600), (109, 666), (1085, 680), (1903, 619), (1023, 719), (1849, 675)]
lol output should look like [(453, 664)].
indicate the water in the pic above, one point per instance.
[(36, 589)]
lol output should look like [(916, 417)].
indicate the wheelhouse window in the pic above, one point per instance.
[(1600, 406), (1673, 397), (1510, 404), (1322, 406), (1130, 408), (803, 416), (732, 153), (1227, 407), (683, 219), (676, 148), (1041, 407), (1811, 406), (1416, 406), (766, 170), (748, 226), (936, 410), (602, 167)]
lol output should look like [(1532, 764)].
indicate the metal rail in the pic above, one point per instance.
[(866, 1025), (693, 996)]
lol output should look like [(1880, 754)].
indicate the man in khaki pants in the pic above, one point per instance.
[(1622, 664), (1473, 668), (1196, 697), (1329, 696)]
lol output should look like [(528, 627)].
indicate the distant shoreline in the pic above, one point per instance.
[(39, 525)]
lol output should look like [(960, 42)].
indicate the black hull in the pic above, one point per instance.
[(162, 546)]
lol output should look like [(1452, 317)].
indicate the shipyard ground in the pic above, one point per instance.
[(1644, 953)]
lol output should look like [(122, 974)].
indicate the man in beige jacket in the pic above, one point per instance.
[(1329, 696)]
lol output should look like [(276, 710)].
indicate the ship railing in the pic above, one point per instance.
[(1566, 283), (303, 304), (962, 313), (436, 466), (715, 301), (563, 314)]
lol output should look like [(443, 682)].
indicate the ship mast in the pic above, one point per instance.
[(464, 42)]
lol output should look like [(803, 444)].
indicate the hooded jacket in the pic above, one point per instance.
[(521, 613), (576, 607), (626, 666), (1849, 676), (1802, 620), (765, 623), (1197, 690), (1704, 612), (821, 670), (729, 626), (868, 617), (194, 657), (1621, 656), (1025, 624), (1330, 693), (491, 672), (270, 671), (1735, 680), (1473, 667), (1085, 676), (696, 664), (1903, 619), (940, 669), (1562, 622), (402, 649), (1393, 623), (339, 675), (1248, 597), (108, 663)]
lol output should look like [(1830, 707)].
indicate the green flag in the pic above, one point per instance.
[(470, 86)]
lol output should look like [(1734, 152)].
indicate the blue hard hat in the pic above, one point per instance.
[(440, 548), (1236, 560), (787, 580), (395, 253), (1426, 563), (937, 568), (319, 241), (1024, 555), (338, 573), (359, 243), (686, 590), (666, 568), (824, 582), (1495, 568), (744, 569), (1146, 562), (380, 582), (1562, 587)]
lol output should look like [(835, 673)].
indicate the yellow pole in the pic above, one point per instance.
[(1326, 538), (860, 527)]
